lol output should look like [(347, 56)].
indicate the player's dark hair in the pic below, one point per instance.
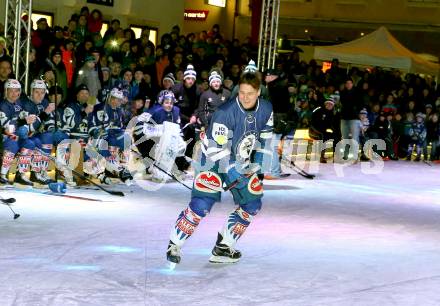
[(250, 79)]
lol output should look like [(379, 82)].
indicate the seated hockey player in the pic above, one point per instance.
[(74, 123), (108, 138), (42, 134), (236, 151), (16, 124)]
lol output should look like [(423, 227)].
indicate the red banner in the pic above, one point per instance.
[(195, 15)]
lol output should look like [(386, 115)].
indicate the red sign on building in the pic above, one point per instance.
[(195, 15)]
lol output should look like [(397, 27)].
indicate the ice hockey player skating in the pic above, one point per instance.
[(237, 129)]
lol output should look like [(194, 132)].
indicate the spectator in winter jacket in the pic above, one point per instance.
[(89, 76), (94, 21), (81, 31), (417, 134), (322, 124), (366, 132), (59, 70), (383, 130), (68, 56), (433, 136), (351, 104), (211, 99)]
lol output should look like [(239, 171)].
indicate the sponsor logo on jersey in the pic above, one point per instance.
[(102, 116), (246, 145), (220, 133), (239, 228), (23, 114), (185, 226), (207, 181), (255, 186)]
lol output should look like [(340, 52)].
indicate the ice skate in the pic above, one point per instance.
[(221, 253), (4, 179), (21, 179), (104, 179), (173, 253), (125, 176), (41, 178)]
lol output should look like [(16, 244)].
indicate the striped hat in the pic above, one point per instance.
[(170, 77), (190, 72), (251, 67), (214, 76)]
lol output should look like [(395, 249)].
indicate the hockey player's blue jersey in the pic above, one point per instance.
[(161, 115), (235, 133), (12, 114), (105, 120), (74, 120)]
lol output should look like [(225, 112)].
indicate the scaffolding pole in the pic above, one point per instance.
[(18, 34), (267, 46)]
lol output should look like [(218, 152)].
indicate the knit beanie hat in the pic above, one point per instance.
[(214, 76), (190, 72), (170, 77), (251, 67)]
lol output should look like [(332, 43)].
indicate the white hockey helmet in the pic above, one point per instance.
[(12, 83), (38, 84), (118, 94), (166, 94)]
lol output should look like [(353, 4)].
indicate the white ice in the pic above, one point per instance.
[(356, 239)]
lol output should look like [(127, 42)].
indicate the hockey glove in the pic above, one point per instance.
[(23, 132), (235, 177)]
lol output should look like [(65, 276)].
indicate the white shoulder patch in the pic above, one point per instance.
[(102, 116), (270, 121), (220, 133), (68, 112)]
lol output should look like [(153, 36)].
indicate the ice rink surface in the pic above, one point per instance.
[(356, 239)]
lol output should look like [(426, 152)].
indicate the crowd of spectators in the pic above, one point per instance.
[(363, 103)]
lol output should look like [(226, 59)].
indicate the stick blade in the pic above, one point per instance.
[(117, 193), (8, 201)]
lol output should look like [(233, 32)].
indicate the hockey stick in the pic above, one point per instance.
[(82, 176), (160, 169), (8, 203), (226, 188), (298, 170), (427, 162)]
